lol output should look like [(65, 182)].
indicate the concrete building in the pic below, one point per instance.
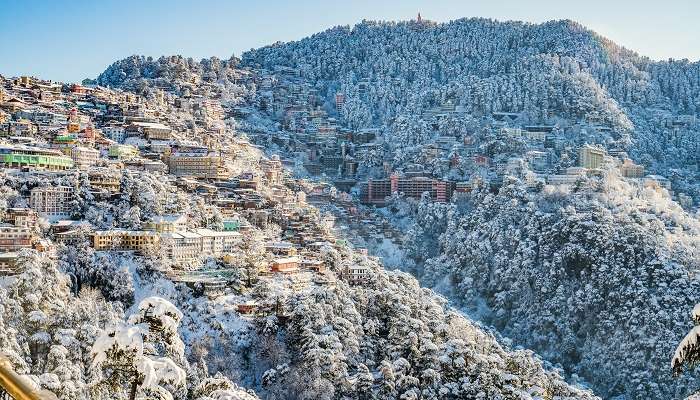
[(124, 240), (102, 179), (629, 169), (21, 217), (33, 157), (196, 165), (122, 152), (188, 245), (591, 157), (51, 200), (357, 274), (114, 132), (84, 157), (8, 263), (14, 238), (375, 191), (152, 130), (285, 265)]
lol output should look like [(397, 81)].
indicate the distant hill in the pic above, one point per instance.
[(551, 71)]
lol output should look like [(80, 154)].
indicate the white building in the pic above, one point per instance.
[(51, 200), (84, 157), (188, 245)]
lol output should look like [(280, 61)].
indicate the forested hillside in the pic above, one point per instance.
[(597, 278), (553, 72)]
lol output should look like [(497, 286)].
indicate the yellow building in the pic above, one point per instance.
[(209, 166), (124, 240)]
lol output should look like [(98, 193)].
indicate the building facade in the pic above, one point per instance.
[(51, 200)]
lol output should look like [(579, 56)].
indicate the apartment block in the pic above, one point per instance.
[(124, 240), (591, 157), (84, 157), (51, 200), (21, 217), (375, 191), (196, 165), (629, 169), (14, 238)]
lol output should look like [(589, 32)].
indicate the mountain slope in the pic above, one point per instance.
[(547, 71), (559, 251)]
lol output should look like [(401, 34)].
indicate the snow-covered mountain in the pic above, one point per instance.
[(553, 72), (596, 280)]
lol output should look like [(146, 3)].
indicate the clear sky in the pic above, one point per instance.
[(70, 40)]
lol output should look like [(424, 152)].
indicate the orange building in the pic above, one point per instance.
[(285, 265)]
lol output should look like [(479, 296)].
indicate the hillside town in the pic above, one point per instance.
[(65, 147), (412, 209), (91, 135), (310, 133)]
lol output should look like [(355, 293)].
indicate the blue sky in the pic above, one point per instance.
[(73, 39)]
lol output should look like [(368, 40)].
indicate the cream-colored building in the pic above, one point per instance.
[(84, 157), (154, 130), (166, 223), (209, 166), (188, 245), (51, 200), (591, 157), (103, 179), (629, 169)]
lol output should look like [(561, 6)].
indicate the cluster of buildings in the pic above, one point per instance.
[(449, 163), (19, 230), (51, 132)]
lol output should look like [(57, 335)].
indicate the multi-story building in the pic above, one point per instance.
[(122, 152), (339, 102), (13, 238), (375, 191), (629, 169), (84, 157), (22, 217), (196, 165), (188, 245), (357, 274), (212, 109), (73, 123), (285, 265), (124, 240), (8, 263), (51, 200), (114, 132), (102, 179), (33, 157), (591, 157), (153, 130), (272, 168), (216, 243)]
